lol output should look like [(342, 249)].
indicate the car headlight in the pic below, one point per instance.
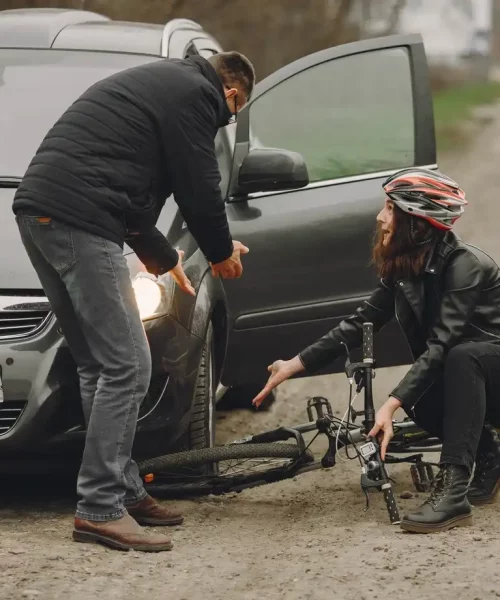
[(148, 294)]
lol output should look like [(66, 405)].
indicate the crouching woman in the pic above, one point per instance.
[(445, 294)]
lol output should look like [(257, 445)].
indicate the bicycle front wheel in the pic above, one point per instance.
[(238, 466)]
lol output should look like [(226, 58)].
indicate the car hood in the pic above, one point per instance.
[(16, 270)]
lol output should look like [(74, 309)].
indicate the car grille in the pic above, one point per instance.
[(22, 323), (10, 412)]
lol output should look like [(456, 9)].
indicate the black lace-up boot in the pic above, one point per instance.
[(447, 505), (486, 482)]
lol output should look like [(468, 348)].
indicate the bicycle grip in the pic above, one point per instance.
[(367, 342), (392, 507)]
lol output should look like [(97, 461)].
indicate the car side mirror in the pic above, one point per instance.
[(271, 169)]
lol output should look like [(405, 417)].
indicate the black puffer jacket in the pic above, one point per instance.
[(130, 141), (457, 299)]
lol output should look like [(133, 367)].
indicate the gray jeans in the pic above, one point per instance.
[(87, 282)]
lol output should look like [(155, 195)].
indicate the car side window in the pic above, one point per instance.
[(348, 116), (225, 160)]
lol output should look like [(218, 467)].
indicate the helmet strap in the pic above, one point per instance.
[(413, 232)]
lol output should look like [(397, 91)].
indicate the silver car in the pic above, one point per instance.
[(301, 171)]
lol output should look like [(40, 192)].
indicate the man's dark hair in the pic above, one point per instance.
[(234, 70)]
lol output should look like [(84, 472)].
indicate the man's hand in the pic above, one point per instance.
[(280, 371), (383, 424), (180, 278), (231, 268)]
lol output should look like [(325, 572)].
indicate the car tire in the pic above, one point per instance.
[(201, 433)]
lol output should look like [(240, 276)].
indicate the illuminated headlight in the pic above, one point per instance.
[(148, 294)]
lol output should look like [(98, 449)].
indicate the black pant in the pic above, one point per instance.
[(461, 401)]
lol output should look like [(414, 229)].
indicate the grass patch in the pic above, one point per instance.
[(453, 108)]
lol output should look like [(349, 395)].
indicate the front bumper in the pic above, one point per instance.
[(37, 372), (42, 407)]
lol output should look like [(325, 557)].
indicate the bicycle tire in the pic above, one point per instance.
[(202, 456), (217, 485)]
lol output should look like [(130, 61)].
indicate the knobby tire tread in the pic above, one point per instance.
[(202, 456)]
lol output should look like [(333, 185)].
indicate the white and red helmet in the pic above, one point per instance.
[(427, 194)]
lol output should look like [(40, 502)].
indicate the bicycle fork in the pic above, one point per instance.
[(374, 475)]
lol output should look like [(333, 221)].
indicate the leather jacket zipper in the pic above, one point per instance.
[(404, 333), (420, 398), (398, 320), (485, 332), (401, 327)]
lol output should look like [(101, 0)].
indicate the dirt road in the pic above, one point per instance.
[(304, 539)]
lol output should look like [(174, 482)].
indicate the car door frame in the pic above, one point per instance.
[(424, 139)]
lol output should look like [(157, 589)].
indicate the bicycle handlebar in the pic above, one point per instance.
[(368, 342), (369, 421), (390, 503), (374, 475)]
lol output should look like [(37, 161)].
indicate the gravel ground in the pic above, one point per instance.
[(303, 539)]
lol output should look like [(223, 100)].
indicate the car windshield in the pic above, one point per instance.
[(36, 87)]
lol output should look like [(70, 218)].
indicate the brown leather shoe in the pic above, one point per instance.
[(122, 534), (150, 512)]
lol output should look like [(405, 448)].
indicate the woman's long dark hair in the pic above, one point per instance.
[(406, 254)]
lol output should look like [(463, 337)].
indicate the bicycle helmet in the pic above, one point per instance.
[(427, 194)]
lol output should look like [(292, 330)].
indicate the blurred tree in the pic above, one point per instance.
[(270, 32)]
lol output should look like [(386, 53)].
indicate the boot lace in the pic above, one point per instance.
[(440, 487), (484, 463)]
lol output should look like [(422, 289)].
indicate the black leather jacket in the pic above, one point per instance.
[(456, 299)]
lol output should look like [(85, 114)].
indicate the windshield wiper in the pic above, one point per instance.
[(9, 182)]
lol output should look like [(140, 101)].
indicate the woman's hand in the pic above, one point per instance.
[(280, 371), (383, 424)]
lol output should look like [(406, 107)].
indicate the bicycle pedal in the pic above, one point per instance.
[(422, 475), (318, 403)]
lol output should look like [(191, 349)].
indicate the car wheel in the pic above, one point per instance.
[(201, 432)]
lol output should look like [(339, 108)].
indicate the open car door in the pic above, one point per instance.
[(348, 117)]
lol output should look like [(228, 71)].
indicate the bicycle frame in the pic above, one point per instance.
[(374, 476), (408, 440)]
